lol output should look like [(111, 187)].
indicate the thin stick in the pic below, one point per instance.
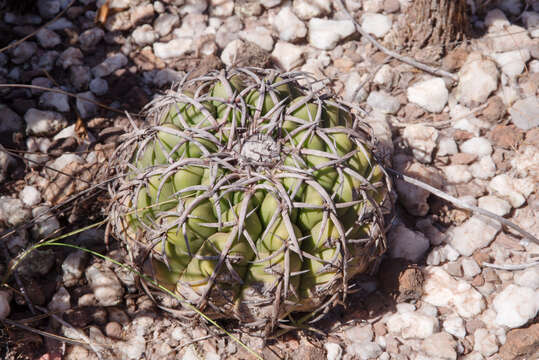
[(404, 59), (37, 30), (512, 267)]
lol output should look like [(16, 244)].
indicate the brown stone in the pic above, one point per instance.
[(491, 276), (473, 324), (343, 64), (146, 60), (532, 137), (463, 159), (379, 328), (461, 135), (521, 344), (454, 59), (506, 136), (478, 281), (391, 6), (480, 257), (494, 111), (402, 280), (113, 330)]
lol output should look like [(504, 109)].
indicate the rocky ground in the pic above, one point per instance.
[(434, 298)]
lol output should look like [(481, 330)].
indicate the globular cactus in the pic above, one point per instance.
[(255, 196)]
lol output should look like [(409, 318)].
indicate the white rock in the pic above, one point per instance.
[(478, 78), (268, 4), (30, 196), (494, 204), (287, 55), (333, 351), (454, 325), (412, 325), (484, 169), (476, 233), (54, 100), (85, 108), (90, 38), (485, 342), (325, 34), (479, 146), (385, 76), (515, 306), (62, 161), (440, 289), (528, 278), (525, 113), (365, 350), (440, 346), (288, 26), (12, 211), (473, 356), (105, 284), (533, 66), (109, 65), (144, 35), (48, 38), (260, 35), (376, 24), (456, 174), (531, 21), (5, 299), (431, 95), (496, 18), (504, 185), (307, 9), (407, 244), (61, 301), (231, 52), (422, 141), (73, 267), (446, 146), (167, 76), (467, 125), (43, 123), (46, 225), (384, 102), (359, 334), (405, 307), (352, 92), (381, 131), (513, 62), (99, 86), (172, 49), (470, 267), (165, 22), (134, 348)]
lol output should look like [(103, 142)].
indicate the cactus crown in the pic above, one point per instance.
[(257, 196)]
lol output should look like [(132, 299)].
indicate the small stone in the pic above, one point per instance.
[(23, 52), (231, 53), (110, 65), (5, 299), (222, 8), (333, 351), (385, 76), (496, 18), (453, 269), (167, 76), (528, 278), (412, 325), (90, 38), (73, 267), (494, 204), (446, 146), (43, 123), (48, 38), (504, 185), (454, 325), (12, 211), (521, 343), (61, 301), (288, 26), (443, 290), (228, 31), (352, 90), (440, 346), (260, 36), (431, 95), (463, 159), (30, 196), (485, 342), (364, 350), (513, 62), (105, 284), (85, 108), (54, 100), (470, 267), (307, 9), (422, 141), (11, 121), (287, 55), (48, 8), (165, 23), (525, 113), (359, 334), (71, 56), (484, 169), (376, 24), (325, 34), (134, 348), (476, 233), (456, 174), (478, 78), (479, 146), (80, 76), (46, 224), (383, 102), (144, 35), (515, 306), (99, 86), (407, 244), (173, 48)]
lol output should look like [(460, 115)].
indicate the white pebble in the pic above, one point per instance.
[(470, 267), (287, 55), (528, 278), (365, 350), (454, 325), (475, 233), (333, 350), (30, 196), (513, 62), (260, 35), (288, 26), (231, 53), (485, 342), (144, 35), (503, 185), (412, 325), (73, 267), (431, 95), (457, 174), (307, 9), (483, 169), (494, 204), (479, 146), (61, 301), (446, 146), (384, 102), (515, 306), (478, 78), (376, 24), (105, 284), (422, 140), (326, 34)]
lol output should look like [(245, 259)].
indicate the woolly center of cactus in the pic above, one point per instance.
[(260, 150)]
